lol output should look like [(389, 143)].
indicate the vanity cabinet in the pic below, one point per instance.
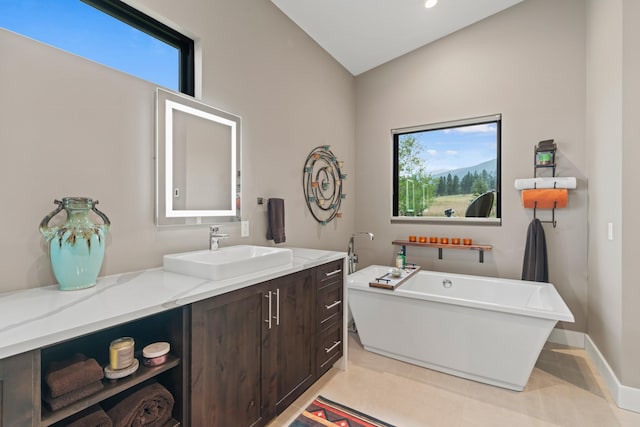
[(290, 340), (237, 359), (170, 326), (22, 376), (330, 306), (20, 390), (226, 359), (255, 350)]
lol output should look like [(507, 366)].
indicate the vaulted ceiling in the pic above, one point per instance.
[(362, 34)]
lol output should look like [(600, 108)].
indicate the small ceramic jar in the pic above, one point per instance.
[(155, 354)]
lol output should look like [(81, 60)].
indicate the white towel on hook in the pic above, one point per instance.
[(546, 182)]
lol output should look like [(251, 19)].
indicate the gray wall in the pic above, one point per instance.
[(613, 66), (630, 205), (527, 63), (604, 137), (70, 127)]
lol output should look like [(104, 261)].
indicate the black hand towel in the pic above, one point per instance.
[(275, 227), (534, 266)]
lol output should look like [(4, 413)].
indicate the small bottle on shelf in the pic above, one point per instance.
[(401, 259)]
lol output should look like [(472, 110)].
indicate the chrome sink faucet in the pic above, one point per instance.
[(215, 236), (352, 257)]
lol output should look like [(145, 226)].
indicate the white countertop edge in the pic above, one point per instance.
[(40, 317)]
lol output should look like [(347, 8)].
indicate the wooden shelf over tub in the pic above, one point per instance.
[(480, 248)]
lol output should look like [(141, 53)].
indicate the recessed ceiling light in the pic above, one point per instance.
[(430, 3)]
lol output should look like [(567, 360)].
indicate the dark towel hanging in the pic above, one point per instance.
[(275, 226), (535, 266)]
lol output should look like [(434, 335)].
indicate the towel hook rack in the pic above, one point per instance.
[(553, 214), (555, 183)]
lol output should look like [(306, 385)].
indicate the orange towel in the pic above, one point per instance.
[(545, 198)]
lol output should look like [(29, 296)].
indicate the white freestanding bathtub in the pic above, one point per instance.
[(481, 328)]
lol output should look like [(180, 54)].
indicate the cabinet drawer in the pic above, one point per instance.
[(330, 305), (329, 273), (330, 348)]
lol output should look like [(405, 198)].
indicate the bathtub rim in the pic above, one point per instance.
[(561, 311)]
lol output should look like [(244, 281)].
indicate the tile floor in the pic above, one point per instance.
[(564, 390)]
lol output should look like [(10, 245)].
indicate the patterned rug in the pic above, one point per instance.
[(323, 412)]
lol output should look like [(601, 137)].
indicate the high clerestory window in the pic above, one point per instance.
[(109, 32), (448, 172)]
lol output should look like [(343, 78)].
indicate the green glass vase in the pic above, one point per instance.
[(76, 248)]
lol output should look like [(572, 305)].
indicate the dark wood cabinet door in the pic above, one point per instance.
[(226, 360), (20, 390), (290, 347)]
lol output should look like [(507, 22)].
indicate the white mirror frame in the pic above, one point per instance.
[(167, 103)]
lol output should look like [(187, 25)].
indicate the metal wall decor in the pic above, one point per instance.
[(322, 184)]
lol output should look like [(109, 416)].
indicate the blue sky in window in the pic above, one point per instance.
[(455, 148), (81, 29)]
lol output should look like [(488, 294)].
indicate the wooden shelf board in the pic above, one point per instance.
[(473, 247), (110, 389)]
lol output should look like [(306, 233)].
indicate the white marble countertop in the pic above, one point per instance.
[(44, 316)]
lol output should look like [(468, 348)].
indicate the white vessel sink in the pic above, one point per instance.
[(227, 262)]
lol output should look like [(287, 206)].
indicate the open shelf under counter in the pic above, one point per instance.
[(474, 247), (111, 388)]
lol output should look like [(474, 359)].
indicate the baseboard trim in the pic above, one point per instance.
[(625, 397), (566, 337)]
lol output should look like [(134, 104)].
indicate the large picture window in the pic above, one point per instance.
[(448, 171), (109, 32)]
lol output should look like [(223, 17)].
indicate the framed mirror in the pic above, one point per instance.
[(198, 155)]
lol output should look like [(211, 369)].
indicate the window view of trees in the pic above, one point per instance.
[(440, 172)]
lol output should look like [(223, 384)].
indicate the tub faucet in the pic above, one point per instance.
[(352, 257), (215, 236)]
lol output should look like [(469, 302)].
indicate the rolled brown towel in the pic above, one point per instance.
[(56, 403), (149, 406), (93, 416), (67, 376)]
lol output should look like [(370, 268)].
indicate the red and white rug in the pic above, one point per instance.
[(324, 412)]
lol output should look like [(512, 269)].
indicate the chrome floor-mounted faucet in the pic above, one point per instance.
[(352, 257), (215, 236)]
